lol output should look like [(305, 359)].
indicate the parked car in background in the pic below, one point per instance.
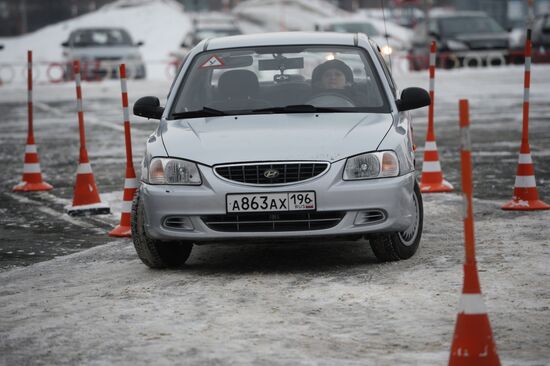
[(100, 51), (540, 38), (463, 38), (272, 137), (388, 44)]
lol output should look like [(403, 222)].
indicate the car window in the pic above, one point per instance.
[(246, 80), (468, 25), (101, 37)]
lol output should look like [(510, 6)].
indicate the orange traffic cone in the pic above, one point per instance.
[(86, 199), (130, 183), (473, 339), (432, 176), (32, 175), (526, 196)]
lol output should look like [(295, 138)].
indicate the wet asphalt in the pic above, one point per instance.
[(33, 229)]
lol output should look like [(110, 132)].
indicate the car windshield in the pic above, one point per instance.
[(366, 28), (468, 25), (282, 79), (101, 37)]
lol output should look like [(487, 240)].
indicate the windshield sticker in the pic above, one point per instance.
[(213, 61)]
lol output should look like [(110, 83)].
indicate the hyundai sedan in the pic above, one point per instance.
[(279, 136)]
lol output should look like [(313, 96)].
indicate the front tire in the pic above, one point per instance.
[(155, 253), (388, 247)]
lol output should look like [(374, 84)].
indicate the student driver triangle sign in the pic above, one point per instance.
[(213, 61)]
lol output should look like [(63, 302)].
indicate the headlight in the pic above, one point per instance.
[(372, 165), (456, 45), (386, 50), (173, 171)]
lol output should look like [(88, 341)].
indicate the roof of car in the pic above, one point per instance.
[(282, 39), (444, 13)]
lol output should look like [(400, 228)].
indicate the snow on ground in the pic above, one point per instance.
[(323, 303), (160, 24)]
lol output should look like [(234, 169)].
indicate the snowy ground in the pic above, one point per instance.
[(73, 295), (316, 303)]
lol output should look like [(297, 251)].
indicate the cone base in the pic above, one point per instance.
[(88, 210), (32, 187), (444, 186), (521, 205), (121, 231)]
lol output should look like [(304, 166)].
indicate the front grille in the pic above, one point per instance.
[(281, 173), (271, 221)]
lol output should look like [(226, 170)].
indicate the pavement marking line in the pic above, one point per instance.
[(50, 211)]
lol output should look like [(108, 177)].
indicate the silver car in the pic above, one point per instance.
[(274, 136), (100, 51)]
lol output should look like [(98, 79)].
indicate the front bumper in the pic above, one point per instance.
[(393, 196)]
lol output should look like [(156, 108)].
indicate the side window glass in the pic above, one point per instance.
[(386, 70)]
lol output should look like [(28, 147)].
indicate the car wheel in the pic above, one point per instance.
[(401, 245), (155, 253)]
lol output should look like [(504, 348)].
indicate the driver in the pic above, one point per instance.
[(335, 76)]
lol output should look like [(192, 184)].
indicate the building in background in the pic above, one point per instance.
[(23, 16)]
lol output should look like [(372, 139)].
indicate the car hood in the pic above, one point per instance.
[(227, 139)]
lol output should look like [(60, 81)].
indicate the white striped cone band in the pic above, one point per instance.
[(528, 63), (31, 168), (465, 141), (430, 146), (526, 94), (131, 183), (30, 149), (525, 159), (77, 79), (525, 181), (29, 95), (123, 85), (84, 168), (432, 59), (126, 207), (79, 105), (471, 304), (431, 166), (432, 84), (126, 114)]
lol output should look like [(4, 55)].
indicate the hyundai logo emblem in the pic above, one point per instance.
[(271, 173)]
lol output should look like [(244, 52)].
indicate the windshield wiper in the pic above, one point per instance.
[(297, 108), (204, 112)]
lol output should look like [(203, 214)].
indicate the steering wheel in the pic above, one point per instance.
[(331, 99)]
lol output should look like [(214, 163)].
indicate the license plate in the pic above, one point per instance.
[(270, 202)]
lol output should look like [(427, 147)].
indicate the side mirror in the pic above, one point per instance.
[(413, 98), (148, 107), (139, 43), (65, 44)]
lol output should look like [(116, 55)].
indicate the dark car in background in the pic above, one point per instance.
[(540, 38), (463, 39), (100, 51)]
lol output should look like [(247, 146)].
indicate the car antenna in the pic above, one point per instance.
[(386, 32)]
